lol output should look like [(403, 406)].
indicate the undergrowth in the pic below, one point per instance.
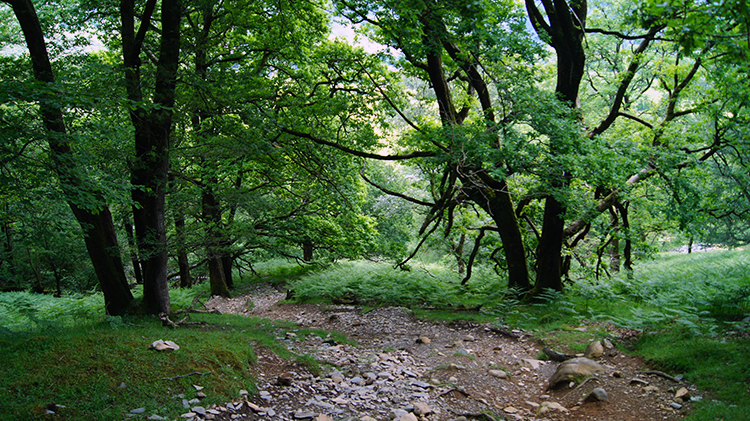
[(693, 312), (426, 287)]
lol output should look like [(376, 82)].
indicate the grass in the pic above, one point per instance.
[(430, 287), (693, 312), (83, 367)]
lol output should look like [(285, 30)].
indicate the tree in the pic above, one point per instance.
[(94, 217), (446, 46), (152, 123)]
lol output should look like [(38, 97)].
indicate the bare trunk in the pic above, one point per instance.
[(458, 251), (227, 261), (614, 257), (489, 193), (307, 251), (549, 250)]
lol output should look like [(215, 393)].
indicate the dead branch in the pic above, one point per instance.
[(579, 386), (660, 374), (556, 356)]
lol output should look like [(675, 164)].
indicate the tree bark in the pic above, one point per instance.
[(7, 256), (182, 258), (497, 203), (492, 195), (458, 251), (153, 127), (307, 251), (99, 231), (134, 259), (564, 31), (212, 219), (227, 261)]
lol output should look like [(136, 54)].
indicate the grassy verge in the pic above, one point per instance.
[(693, 312), (104, 370)]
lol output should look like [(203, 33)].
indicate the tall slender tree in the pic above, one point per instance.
[(151, 115), (95, 218)]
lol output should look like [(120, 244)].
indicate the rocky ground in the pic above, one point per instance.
[(408, 370)]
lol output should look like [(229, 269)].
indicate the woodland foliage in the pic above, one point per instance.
[(189, 140)]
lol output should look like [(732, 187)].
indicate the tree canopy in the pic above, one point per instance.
[(204, 136)]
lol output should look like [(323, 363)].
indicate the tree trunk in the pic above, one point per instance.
[(7, 256), (97, 226), (564, 32), (497, 203), (549, 250), (307, 251), (212, 219), (614, 257), (182, 258), (133, 249), (227, 261), (458, 251), (153, 127), (489, 193)]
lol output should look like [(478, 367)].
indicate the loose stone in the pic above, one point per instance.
[(598, 395), (500, 374), (422, 408)]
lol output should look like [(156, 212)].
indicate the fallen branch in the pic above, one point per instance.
[(556, 356), (453, 390), (660, 374), (504, 332), (187, 375), (579, 386), (166, 321), (213, 311)]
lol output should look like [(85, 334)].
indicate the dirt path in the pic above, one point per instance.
[(407, 369)]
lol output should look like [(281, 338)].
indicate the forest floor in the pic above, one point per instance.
[(406, 369)]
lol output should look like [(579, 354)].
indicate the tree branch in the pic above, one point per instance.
[(355, 152), (391, 192)]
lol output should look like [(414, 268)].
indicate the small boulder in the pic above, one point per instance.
[(500, 374), (409, 417), (304, 415), (285, 379), (532, 363), (549, 406), (423, 340), (598, 395), (161, 345), (337, 377), (594, 350), (574, 370)]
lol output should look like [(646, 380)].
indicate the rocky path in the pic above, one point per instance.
[(408, 370)]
